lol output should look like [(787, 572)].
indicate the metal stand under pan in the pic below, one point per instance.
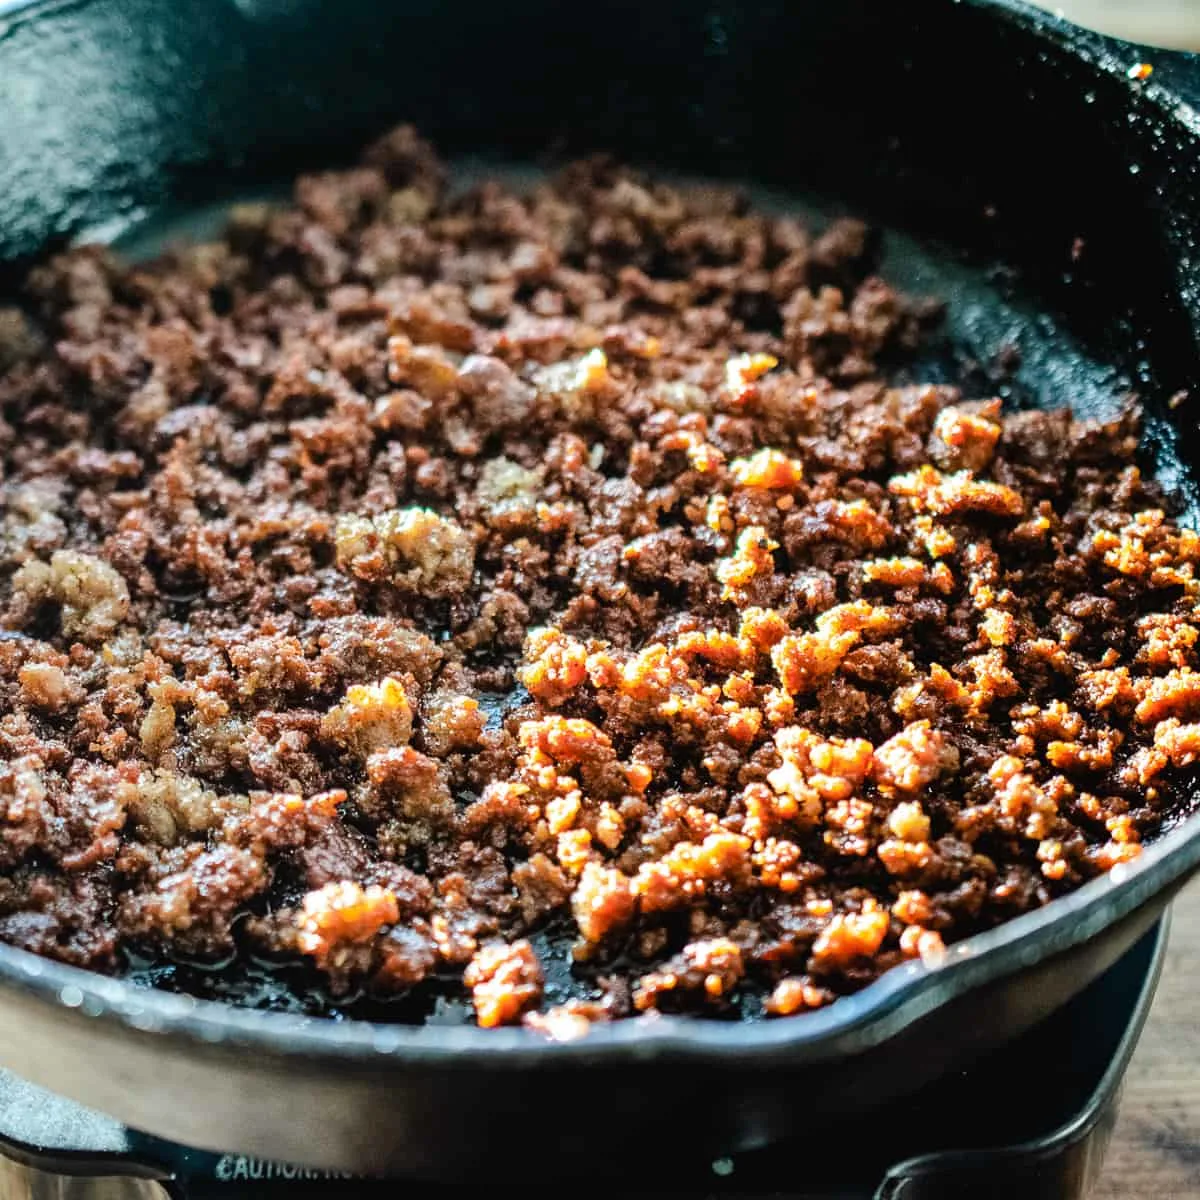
[(1031, 1120)]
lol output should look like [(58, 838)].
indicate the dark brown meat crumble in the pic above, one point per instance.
[(403, 573)]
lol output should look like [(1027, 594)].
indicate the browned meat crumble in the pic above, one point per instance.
[(404, 575)]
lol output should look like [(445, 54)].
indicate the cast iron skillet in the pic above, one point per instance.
[(1065, 200)]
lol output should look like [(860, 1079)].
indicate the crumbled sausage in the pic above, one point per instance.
[(94, 598), (427, 572), (413, 547), (371, 717), (46, 686), (505, 981), (342, 915), (708, 970), (168, 806)]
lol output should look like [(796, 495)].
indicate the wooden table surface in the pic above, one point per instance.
[(1155, 1151)]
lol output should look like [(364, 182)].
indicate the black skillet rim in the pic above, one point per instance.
[(865, 1019)]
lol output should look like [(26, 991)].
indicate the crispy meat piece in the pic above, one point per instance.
[(92, 596), (413, 547), (338, 919), (505, 981)]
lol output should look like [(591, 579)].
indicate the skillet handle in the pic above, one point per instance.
[(1063, 1171), (1062, 1164)]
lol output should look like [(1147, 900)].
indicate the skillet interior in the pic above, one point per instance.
[(1006, 152), (989, 313)]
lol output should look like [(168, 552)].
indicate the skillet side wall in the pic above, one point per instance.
[(956, 120), (453, 1120)]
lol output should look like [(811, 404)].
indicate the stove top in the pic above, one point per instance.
[(1031, 1120)]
